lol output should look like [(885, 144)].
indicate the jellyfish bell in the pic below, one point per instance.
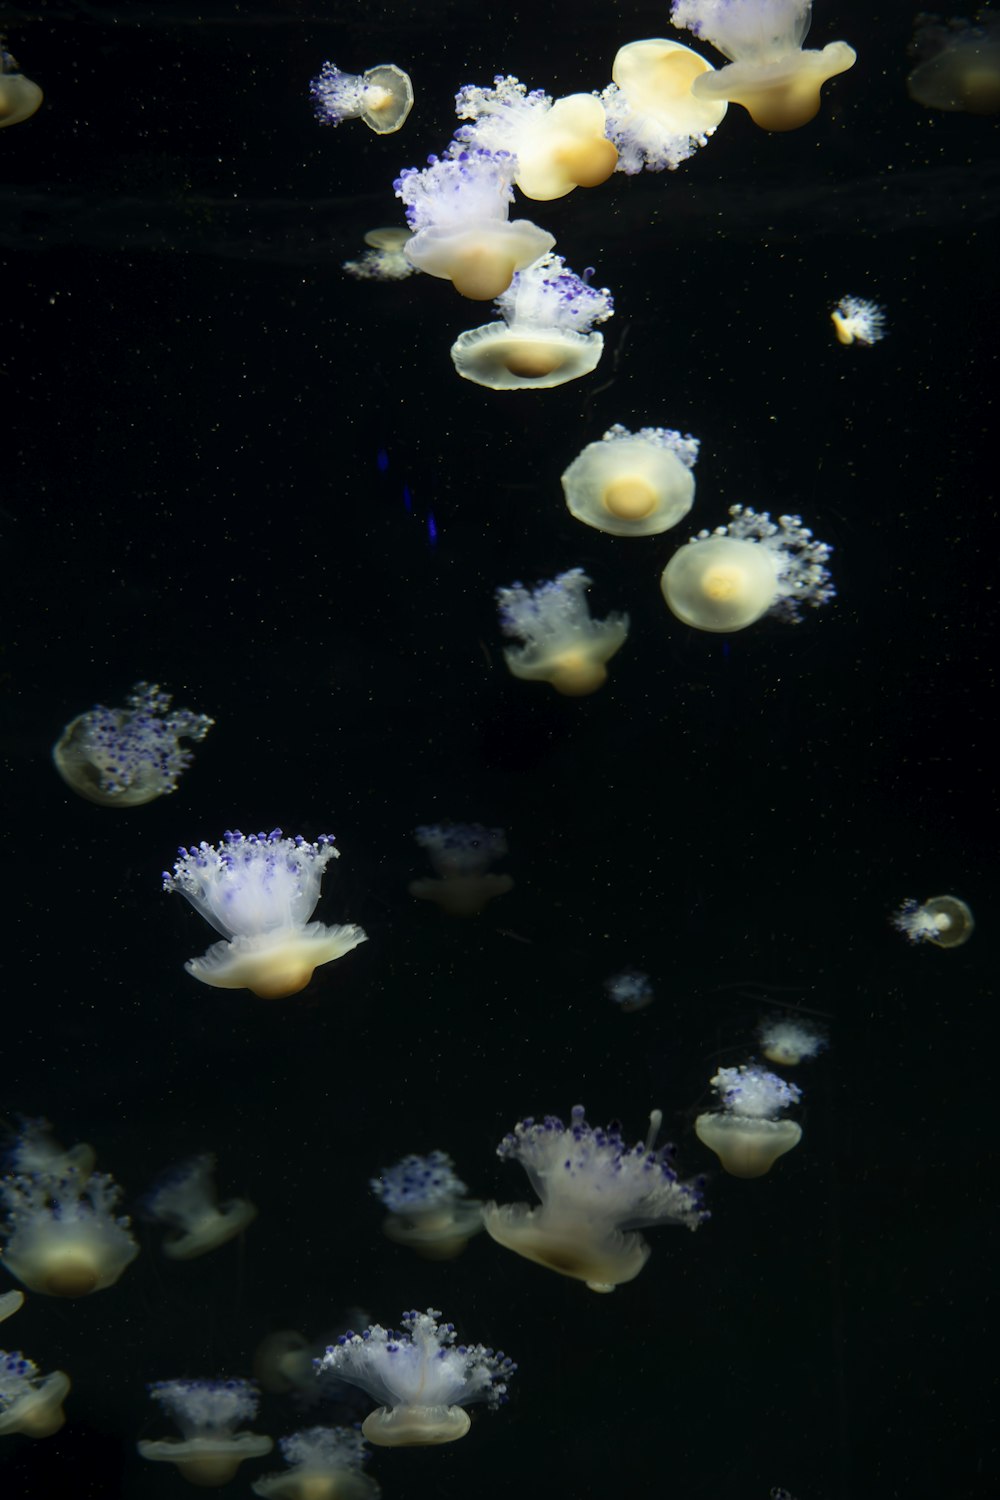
[(945, 921), (720, 585), (415, 1426), (569, 150), (747, 1147), (656, 76), (29, 1402), (504, 360), (479, 261), (388, 237), (388, 98), (19, 97), (632, 484), (960, 67)]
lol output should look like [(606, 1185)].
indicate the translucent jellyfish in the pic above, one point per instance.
[(285, 1361), (385, 260), (789, 1042), (558, 146), (428, 1209), (36, 1152), (746, 1134), (777, 82), (19, 97), (596, 1192), (461, 854), (724, 580), (30, 1402), (382, 97), (546, 337), (421, 1378), (856, 321), (944, 921), (10, 1303), (123, 757), (562, 643), (633, 483), (959, 67), (186, 1200), (653, 117), (325, 1463), (63, 1236), (458, 210), (630, 990), (209, 1450), (259, 891)]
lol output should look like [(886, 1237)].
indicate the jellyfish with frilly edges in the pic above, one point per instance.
[(381, 96), (30, 1402), (557, 146), (561, 642), (461, 854), (945, 921), (633, 483), (654, 119), (427, 1205), (746, 1134), (790, 1040), (324, 1463), (125, 757), (210, 1449), (856, 320)]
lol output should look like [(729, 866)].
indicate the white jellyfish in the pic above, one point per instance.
[(653, 117), (633, 483), (558, 146), (746, 1134), (945, 921), (30, 1402), (209, 1450), (630, 990), (789, 1041), (381, 96), (724, 580), (776, 82), (385, 259), (324, 1463), (959, 63), (124, 757), (259, 891), (63, 1235), (561, 643), (186, 1200), (428, 1209), (421, 1378), (857, 321), (19, 97), (461, 854)]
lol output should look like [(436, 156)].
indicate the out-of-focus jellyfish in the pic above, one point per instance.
[(10, 1303), (746, 1134), (789, 1042), (30, 1402), (461, 854), (386, 259), (421, 1378), (630, 990), (856, 321), (19, 97), (381, 96), (653, 117), (546, 337), (209, 1450), (259, 891), (633, 483), (776, 82), (596, 1192), (285, 1361), (561, 642), (63, 1236), (724, 580), (558, 146), (325, 1463), (36, 1152), (187, 1202), (959, 63), (123, 757), (944, 921), (428, 1209)]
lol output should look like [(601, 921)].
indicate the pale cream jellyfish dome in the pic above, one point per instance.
[(654, 119), (960, 66), (746, 1134), (381, 96), (945, 921), (19, 97), (633, 484)]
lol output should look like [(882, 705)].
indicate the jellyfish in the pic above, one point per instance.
[(630, 990), (458, 210), (856, 321), (746, 1134), (788, 1041), (385, 260), (777, 83), (209, 1450), (285, 1361), (124, 757), (461, 854), (382, 97), (724, 580), (959, 63), (325, 1463), (30, 1402), (187, 1202), (561, 642), (944, 921), (596, 1192), (633, 484), (421, 1378), (63, 1236), (558, 146), (36, 1152), (653, 117), (10, 1303), (428, 1209), (259, 891), (546, 335), (19, 97)]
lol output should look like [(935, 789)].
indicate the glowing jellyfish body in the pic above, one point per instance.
[(790, 1042), (428, 1209), (19, 97), (653, 117), (421, 1378), (630, 990), (381, 96), (461, 854), (633, 483), (385, 259), (259, 891), (561, 642), (324, 1463), (186, 1201), (959, 68), (30, 1402), (857, 321), (776, 82), (557, 146), (63, 1236), (209, 1450), (124, 757), (746, 1134), (945, 921)]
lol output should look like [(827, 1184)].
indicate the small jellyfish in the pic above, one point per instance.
[(62, 1234), (428, 1209), (856, 321), (325, 1463), (37, 1152), (187, 1202), (561, 642), (630, 990), (461, 854), (776, 82), (558, 146), (209, 1450), (788, 1041), (596, 1192), (546, 337), (382, 96), (746, 1134), (285, 1361), (124, 757), (259, 891), (959, 66), (30, 1402), (724, 580), (944, 921), (385, 260), (421, 1378), (19, 97), (653, 117), (633, 483)]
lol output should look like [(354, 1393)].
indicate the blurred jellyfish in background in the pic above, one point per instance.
[(944, 921), (596, 1192), (284, 1361), (746, 1134), (777, 83), (382, 97), (385, 260), (186, 1200), (10, 1303), (209, 1450), (30, 1402), (35, 1151), (19, 97), (558, 146), (788, 1041), (124, 757), (428, 1209), (421, 1378), (325, 1463), (259, 891), (561, 642), (856, 321), (633, 483), (653, 117), (726, 579), (959, 63), (461, 854), (630, 990)]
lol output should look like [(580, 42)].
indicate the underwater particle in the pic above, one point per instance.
[(186, 1200), (945, 921), (557, 146), (653, 117), (63, 1236), (789, 1042), (385, 259), (381, 96), (259, 891), (324, 1463), (959, 63), (726, 579), (561, 643), (857, 321), (30, 1402), (777, 83), (209, 1450), (125, 757), (630, 990), (19, 97), (746, 1134), (633, 483), (421, 1378), (461, 854), (428, 1209)]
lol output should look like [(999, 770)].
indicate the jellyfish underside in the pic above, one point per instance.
[(952, 921), (388, 98), (480, 260), (207, 1461), (780, 95), (74, 758), (602, 1258), (747, 1147), (410, 1426), (507, 359), (720, 584)]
